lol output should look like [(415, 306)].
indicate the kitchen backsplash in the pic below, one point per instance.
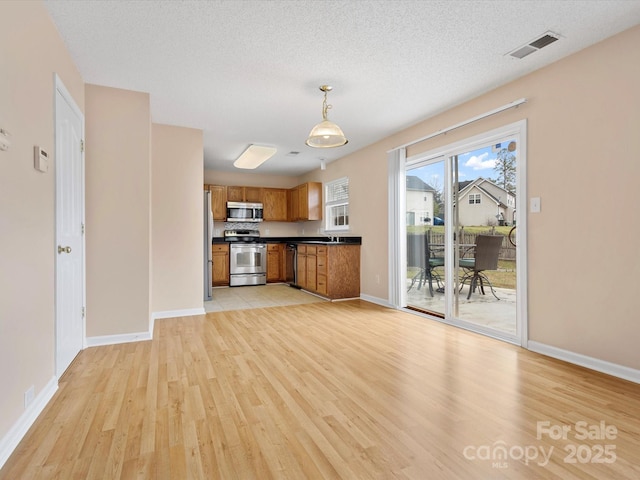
[(241, 226)]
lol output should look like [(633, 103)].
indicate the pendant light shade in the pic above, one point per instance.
[(326, 134)]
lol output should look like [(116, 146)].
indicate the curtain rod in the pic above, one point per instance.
[(462, 124)]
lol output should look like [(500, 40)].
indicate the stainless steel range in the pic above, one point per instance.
[(247, 258)]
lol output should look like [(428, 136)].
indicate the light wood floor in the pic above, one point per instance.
[(345, 390)]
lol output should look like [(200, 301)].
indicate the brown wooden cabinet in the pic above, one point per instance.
[(292, 205), (303, 202), (306, 202), (311, 283), (274, 201), (343, 271), (321, 270), (332, 271), (275, 262), (218, 202), (244, 194), (220, 254), (301, 272)]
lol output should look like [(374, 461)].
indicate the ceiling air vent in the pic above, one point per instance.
[(293, 154), (534, 45)]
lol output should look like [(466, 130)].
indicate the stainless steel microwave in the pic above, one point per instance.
[(244, 212)]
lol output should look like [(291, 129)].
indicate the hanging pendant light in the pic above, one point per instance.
[(326, 134)]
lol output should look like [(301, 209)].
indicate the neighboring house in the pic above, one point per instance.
[(482, 202), (420, 197)]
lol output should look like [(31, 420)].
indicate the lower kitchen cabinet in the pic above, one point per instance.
[(312, 268), (321, 271), (220, 254), (332, 271), (301, 272), (275, 262)]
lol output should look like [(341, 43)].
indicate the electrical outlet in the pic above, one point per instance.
[(29, 395), (378, 279), (266, 232)]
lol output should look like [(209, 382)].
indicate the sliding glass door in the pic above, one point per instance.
[(460, 221), (426, 227)]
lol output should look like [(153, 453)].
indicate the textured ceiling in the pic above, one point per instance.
[(248, 71)]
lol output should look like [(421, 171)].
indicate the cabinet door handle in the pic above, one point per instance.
[(62, 249)]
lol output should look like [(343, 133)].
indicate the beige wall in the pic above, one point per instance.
[(177, 218), (27, 210), (583, 124), (118, 210)]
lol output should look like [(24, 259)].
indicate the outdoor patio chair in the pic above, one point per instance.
[(419, 254), (486, 254)]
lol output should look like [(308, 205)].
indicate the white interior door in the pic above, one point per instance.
[(69, 250)]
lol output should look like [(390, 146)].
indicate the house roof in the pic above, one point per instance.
[(477, 183), (462, 185), (416, 183)]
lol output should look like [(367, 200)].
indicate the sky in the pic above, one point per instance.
[(471, 165)]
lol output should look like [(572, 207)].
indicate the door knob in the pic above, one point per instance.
[(62, 249)]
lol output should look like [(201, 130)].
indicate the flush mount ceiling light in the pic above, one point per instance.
[(254, 156), (326, 134)]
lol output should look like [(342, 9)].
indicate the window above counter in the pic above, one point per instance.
[(337, 205)]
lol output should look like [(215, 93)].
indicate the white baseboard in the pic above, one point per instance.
[(13, 437), (376, 300), (178, 313), (596, 364), (141, 336), (116, 339)]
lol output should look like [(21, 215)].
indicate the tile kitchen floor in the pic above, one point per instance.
[(273, 295)]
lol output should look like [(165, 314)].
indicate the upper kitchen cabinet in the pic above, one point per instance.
[(218, 202), (306, 202), (274, 201), (244, 194)]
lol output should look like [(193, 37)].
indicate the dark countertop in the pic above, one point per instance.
[(304, 240)]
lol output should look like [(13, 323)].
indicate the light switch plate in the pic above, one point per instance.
[(534, 205)]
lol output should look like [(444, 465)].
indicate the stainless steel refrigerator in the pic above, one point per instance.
[(208, 238)]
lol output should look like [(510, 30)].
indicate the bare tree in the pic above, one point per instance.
[(505, 167), (436, 184)]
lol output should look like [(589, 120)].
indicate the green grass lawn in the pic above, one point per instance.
[(504, 277)]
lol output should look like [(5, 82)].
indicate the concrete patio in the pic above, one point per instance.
[(480, 309)]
